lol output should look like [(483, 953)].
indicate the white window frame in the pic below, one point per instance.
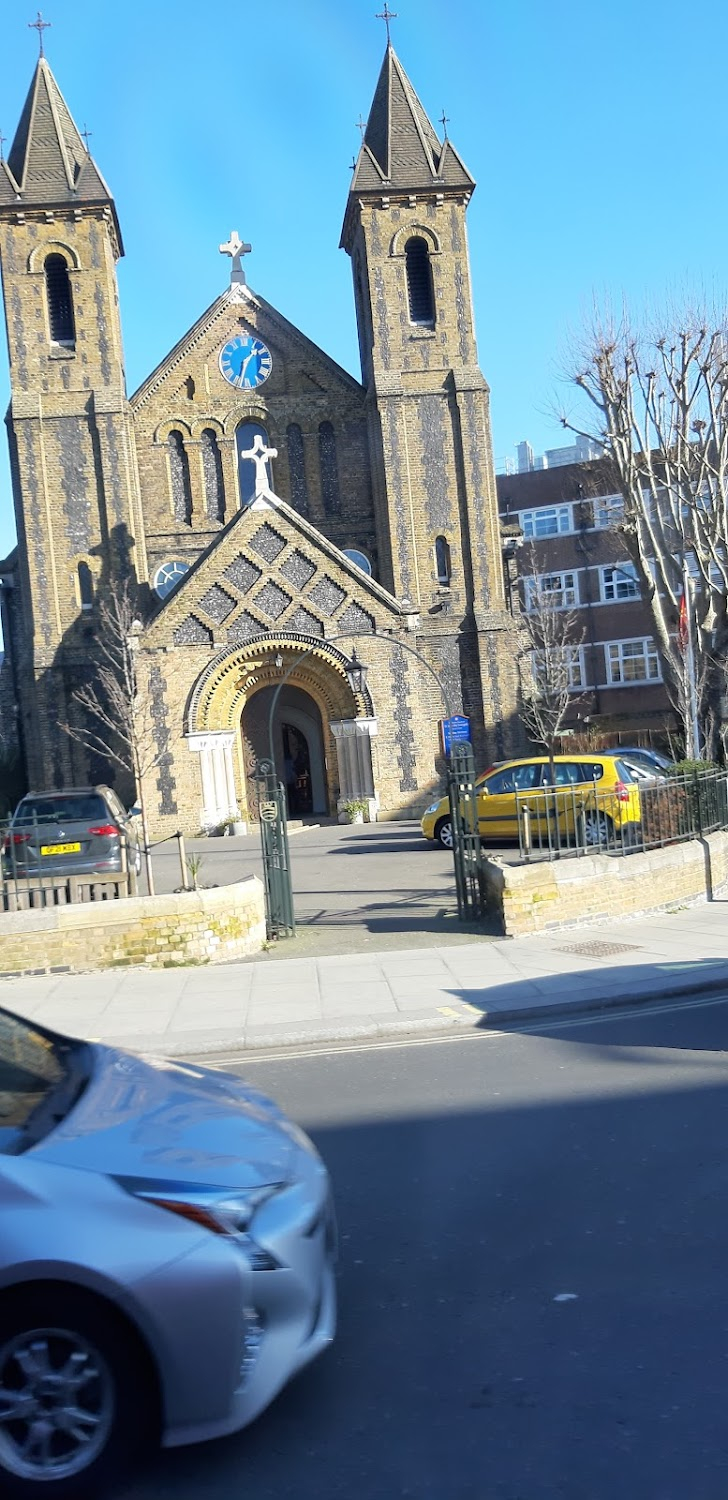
[(577, 667), (569, 592), (616, 655), (624, 572), (563, 517), (608, 510)]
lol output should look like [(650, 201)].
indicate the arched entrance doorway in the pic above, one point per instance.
[(298, 746)]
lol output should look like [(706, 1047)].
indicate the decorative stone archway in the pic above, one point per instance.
[(233, 679)]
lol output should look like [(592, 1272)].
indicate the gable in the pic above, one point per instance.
[(270, 572)]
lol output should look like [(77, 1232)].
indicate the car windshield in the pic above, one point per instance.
[(84, 809), (41, 1077)]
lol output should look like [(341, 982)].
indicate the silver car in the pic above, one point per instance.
[(167, 1241), (79, 831)]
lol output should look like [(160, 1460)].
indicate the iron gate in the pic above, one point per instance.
[(279, 918), (467, 853)]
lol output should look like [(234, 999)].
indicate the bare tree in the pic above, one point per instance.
[(549, 661), (116, 706), (659, 405)]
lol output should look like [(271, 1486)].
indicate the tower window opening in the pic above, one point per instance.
[(179, 471), (419, 282), (443, 564), (213, 475), (329, 469), (85, 587), (60, 302)]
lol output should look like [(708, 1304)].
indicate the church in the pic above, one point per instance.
[(273, 516)]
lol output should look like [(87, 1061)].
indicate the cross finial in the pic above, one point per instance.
[(444, 121), (85, 135), (260, 453), (3, 139), (361, 125), (40, 26), (352, 164), (236, 249), (386, 16)]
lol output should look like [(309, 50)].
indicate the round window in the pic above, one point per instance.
[(360, 558), (168, 576)]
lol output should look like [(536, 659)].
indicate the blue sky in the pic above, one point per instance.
[(596, 135)]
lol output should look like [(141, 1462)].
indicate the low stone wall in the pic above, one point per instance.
[(541, 897), (192, 927)]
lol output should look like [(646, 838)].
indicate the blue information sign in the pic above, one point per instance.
[(454, 730)]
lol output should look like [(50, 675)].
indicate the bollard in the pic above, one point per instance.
[(182, 859)]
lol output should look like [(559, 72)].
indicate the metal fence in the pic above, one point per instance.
[(23, 890), (554, 822)]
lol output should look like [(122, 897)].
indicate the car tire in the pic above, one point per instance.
[(61, 1352), (596, 830), (443, 833)]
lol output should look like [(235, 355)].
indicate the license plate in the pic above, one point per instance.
[(60, 848)]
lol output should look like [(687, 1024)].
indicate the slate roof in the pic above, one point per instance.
[(49, 164), (401, 149)]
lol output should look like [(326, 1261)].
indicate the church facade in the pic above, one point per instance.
[(271, 514)]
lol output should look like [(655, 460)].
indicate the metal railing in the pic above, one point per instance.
[(24, 890), (556, 822)]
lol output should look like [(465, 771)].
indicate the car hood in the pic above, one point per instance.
[(150, 1118)]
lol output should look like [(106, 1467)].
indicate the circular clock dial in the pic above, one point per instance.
[(245, 362)]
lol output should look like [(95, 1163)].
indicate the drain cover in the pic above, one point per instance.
[(600, 950)]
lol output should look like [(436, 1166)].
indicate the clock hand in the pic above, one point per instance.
[(244, 366)]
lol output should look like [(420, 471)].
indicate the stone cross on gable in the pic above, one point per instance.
[(260, 454), (236, 249)]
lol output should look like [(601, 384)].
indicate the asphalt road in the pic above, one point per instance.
[(373, 886), (533, 1274)]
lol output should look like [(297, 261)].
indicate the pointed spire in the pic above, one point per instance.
[(49, 163), (401, 147)]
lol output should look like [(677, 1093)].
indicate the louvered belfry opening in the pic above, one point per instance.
[(60, 301), (419, 282)]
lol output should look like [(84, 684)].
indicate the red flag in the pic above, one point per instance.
[(682, 624)]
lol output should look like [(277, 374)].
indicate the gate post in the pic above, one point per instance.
[(279, 918), (466, 848)]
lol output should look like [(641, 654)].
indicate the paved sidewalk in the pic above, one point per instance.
[(304, 1000)]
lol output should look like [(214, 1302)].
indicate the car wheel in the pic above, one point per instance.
[(75, 1398), (443, 833), (596, 830)]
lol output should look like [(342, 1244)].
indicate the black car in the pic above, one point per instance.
[(80, 831)]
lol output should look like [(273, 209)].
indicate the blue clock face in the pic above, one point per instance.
[(245, 362)]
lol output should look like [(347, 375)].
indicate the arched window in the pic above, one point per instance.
[(245, 436), (60, 301), (297, 469), (419, 282), (85, 586), (213, 475), (179, 472), (443, 566), (329, 469)]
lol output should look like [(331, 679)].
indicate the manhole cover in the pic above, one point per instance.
[(600, 950)]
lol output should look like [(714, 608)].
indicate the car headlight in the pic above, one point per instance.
[(229, 1214), (432, 808)]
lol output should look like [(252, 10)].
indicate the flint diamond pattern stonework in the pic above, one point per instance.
[(267, 543), (242, 574), (166, 783), (192, 632), (242, 629), (356, 620), (217, 604), (304, 623), (298, 570), (272, 601), (327, 596)]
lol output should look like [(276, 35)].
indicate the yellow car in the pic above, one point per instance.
[(592, 796)]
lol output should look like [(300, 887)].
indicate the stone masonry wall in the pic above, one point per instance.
[(193, 927), (543, 897)]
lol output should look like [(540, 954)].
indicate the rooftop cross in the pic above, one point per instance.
[(260, 454), (361, 125), (386, 16), (40, 26), (444, 121), (236, 249), (85, 134), (3, 139)]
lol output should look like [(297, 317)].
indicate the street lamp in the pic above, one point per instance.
[(356, 674)]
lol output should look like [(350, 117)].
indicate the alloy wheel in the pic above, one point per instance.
[(57, 1402)]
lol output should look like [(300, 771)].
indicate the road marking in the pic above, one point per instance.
[(371, 1044)]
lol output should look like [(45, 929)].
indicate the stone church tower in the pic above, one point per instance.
[(370, 524)]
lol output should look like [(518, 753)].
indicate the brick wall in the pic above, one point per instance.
[(543, 897), (193, 927)]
